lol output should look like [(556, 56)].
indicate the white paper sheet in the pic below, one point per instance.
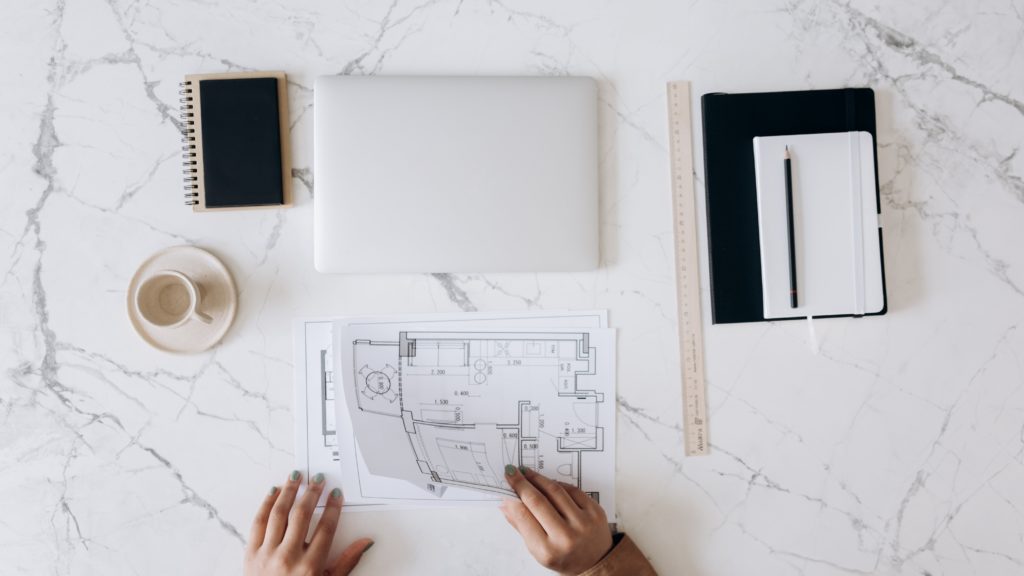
[(317, 445), (316, 438), (445, 406)]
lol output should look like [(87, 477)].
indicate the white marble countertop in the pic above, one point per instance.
[(899, 449)]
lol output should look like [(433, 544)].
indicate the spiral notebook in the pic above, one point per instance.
[(235, 141)]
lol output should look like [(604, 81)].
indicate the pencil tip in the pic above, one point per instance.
[(786, 153)]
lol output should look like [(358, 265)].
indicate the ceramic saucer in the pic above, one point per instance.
[(219, 300)]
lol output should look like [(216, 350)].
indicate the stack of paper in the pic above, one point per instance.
[(428, 410)]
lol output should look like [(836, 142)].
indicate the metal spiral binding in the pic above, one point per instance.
[(188, 147)]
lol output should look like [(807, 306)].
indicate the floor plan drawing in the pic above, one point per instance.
[(382, 478), (328, 432), (470, 403), (316, 446)]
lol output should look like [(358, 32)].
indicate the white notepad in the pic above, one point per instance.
[(835, 215)]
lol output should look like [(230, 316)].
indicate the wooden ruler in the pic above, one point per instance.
[(684, 205)]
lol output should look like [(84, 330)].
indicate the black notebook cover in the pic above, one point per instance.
[(730, 122), (241, 139)]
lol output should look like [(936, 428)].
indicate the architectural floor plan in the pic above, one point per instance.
[(445, 408), (461, 399)]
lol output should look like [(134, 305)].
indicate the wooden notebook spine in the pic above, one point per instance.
[(188, 142)]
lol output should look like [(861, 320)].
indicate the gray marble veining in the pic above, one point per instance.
[(897, 449)]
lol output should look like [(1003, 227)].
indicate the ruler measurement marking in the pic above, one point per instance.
[(687, 271)]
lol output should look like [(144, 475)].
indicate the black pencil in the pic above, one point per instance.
[(789, 226)]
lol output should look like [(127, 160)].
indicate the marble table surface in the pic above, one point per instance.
[(897, 449)]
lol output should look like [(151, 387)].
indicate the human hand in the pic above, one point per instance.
[(564, 529), (277, 543)]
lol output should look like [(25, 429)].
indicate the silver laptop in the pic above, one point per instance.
[(455, 174)]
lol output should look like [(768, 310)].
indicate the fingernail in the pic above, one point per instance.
[(368, 546), (294, 475), (273, 490), (522, 469), (510, 470), (318, 479), (336, 493)]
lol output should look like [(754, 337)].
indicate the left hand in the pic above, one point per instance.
[(277, 544)]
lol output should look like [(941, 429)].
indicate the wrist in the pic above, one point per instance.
[(614, 541)]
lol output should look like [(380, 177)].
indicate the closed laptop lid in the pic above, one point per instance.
[(455, 174)]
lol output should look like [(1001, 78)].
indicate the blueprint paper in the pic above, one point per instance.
[(316, 440), (362, 487), (325, 445), (447, 407)]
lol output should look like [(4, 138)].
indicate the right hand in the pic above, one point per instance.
[(564, 529)]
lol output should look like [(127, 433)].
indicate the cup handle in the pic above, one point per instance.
[(203, 317)]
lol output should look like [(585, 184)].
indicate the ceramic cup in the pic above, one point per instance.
[(169, 299)]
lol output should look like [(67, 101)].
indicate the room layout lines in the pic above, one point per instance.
[(470, 403), (328, 428)]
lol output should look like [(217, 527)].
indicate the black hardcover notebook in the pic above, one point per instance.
[(730, 123), (236, 136)]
